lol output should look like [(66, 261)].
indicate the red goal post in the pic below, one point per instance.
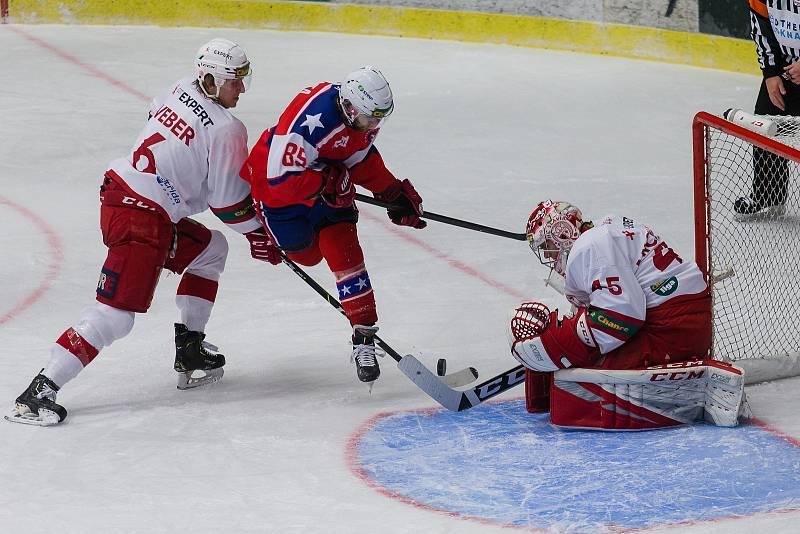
[(752, 261)]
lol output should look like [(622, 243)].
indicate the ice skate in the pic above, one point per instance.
[(193, 354), (364, 353), (37, 404), (747, 208)]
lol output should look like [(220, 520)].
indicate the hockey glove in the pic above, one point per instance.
[(337, 188), (542, 342), (262, 248), (406, 204)]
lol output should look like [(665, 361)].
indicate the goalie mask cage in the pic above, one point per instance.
[(752, 261)]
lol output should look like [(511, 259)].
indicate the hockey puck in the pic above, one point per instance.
[(441, 367)]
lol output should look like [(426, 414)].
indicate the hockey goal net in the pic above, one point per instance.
[(747, 232)]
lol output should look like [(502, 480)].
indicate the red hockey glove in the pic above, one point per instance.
[(337, 188), (407, 204), (262, 248)]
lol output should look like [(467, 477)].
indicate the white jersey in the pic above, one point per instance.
[(621, 268), (187, 159)]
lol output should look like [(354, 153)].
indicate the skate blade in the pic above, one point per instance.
[(187, 381), (45, 418)]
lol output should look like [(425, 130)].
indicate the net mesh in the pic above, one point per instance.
[(754, 213)]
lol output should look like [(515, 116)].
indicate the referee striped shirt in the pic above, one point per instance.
[(775, 29)]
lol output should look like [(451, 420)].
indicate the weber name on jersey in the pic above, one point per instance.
[(618, 270), (187, 159)]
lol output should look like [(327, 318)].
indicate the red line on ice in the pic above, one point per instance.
[(776, 432), (456, 264), (55, 256), (69, 58)]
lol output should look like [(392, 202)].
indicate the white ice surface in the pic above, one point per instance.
[(483, 131)]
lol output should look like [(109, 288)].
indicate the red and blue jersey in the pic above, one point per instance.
[(284, 166)]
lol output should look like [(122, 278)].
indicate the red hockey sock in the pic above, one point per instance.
[(340, 248)]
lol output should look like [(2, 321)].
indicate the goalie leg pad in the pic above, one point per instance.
[(537, 391), (648, 398)]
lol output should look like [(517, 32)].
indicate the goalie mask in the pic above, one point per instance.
[(365, 99), (224, 60), (552, 229)]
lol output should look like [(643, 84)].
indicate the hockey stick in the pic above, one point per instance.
[(450, 220), (457, 379), (438, 388), (455, 399)]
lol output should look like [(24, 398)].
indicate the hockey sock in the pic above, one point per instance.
[(341, 249), (195, 299), (99, 326), (64, 365)]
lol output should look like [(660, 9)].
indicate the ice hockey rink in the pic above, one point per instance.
[(289, 440)]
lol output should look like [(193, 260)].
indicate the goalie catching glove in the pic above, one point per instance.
[(406, 203), (542, 342)]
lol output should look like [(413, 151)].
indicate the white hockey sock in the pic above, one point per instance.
[(195, 312), (63, 366), (99, 325)]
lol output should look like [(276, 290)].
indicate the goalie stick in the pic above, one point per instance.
[(450, 220), (457, 379)]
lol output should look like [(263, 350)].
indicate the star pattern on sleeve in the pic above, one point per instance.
[(312, 122)]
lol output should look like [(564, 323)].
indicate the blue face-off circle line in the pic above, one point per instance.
[(711, 474)]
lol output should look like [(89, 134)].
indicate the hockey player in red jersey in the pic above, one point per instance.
[(185, 160), (638, 304), (302, 172)]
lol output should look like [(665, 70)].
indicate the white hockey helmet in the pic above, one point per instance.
[(223, 60), (366, 98), (552, 229)]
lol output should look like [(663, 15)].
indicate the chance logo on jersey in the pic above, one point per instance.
[(613, 324)]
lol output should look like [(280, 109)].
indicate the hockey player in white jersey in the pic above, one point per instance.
[(639, 305), (185, 160)]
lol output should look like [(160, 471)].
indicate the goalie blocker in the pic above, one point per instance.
[(653, 397)]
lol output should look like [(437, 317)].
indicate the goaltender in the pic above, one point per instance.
[(641, 332)]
